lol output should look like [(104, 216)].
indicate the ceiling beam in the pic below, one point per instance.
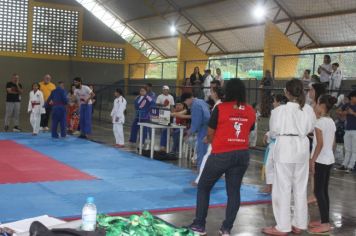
[(305, 17), (176, 10), (295, 21)]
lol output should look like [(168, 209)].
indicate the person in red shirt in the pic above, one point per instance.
[(228, 132)]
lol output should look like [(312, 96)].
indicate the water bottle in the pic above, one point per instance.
[(89, 215)]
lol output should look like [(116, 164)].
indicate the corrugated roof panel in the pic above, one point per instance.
[(331, 30), (151, 27), (168, 46), (249, 39), (308, 7), (222, 15)]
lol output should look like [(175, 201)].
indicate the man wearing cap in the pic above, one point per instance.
[(167, 101)]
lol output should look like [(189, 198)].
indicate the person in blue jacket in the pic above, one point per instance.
[(199, 122), (58, 101), (143, 104)]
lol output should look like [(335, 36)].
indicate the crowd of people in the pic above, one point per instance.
[(71, 111), (301, 138)]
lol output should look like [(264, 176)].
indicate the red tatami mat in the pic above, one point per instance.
[(20, 164)]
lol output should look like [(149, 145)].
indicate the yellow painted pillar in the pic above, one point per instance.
[(133, 56), (187, 51), (277, 43)]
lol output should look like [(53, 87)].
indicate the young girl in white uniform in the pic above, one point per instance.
[(118, 118), (322, 160), (290, 124), (268, 169), (35, 108)]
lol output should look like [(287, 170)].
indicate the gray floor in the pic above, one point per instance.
[(251, 219)]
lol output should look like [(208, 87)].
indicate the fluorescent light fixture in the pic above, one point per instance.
[(259, 12), (173, 29)]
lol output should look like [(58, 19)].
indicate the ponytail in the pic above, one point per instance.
[(328, 100), (296, 89)]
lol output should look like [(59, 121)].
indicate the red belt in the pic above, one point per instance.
[(35, 104)]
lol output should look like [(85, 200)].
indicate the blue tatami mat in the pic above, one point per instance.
[(125, 182)]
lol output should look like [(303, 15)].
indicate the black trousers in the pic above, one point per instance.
[(233, 165), (321, 185), (45, 117)]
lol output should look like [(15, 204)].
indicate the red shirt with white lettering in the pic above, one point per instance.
[(232, 126)]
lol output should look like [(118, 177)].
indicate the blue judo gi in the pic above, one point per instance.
[(142, 107), (85, 118), (199, 124), (58, 100)]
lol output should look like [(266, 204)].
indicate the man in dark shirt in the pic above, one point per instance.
[(13, 101)]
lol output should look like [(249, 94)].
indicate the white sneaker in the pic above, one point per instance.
[(46, 128), (41, 128)]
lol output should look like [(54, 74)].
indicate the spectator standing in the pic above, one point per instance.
[(336, 79), (85, 96), (13, 103), (196, 80), (46, 87), (219, 77), (325, 71), (58, 101), (207, 80), (118, 117), (35, 108), (266, 99), (306, 79), (349, 110)]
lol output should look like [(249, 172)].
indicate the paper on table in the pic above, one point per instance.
[(22, 226)]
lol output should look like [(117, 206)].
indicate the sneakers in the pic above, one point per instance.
[(197, 229), (342, 168), (6, 128), (224, 232), (16, 129)]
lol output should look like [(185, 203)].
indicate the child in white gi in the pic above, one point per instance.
[(118, 117), (268, 169), (35, 108), (290, 124)]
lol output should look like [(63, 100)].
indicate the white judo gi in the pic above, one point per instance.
[(290, 125), (36, 107), (118, 119)]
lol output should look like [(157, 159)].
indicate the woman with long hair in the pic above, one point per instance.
[(228, 132)]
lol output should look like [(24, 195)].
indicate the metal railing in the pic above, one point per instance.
[(105, 94)]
